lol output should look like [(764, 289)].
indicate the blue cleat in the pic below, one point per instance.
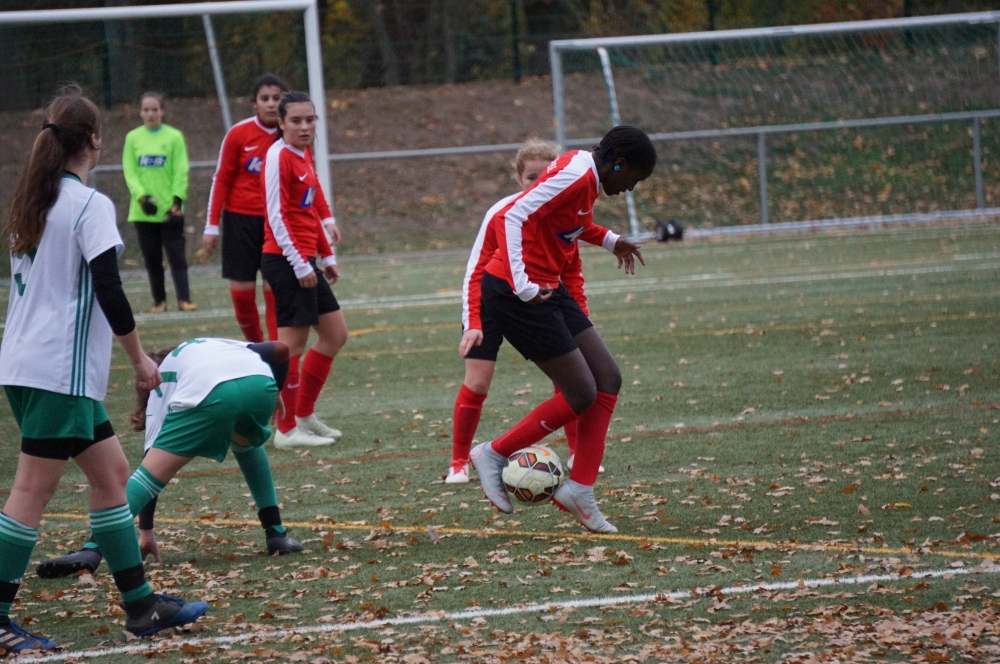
[(15, 639), (167, 612)]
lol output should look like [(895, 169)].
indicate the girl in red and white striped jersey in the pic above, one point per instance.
[(536, 234), (236, 204), (481, 338), (296, 213)]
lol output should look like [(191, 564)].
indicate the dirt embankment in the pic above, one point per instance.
[(384, 205)]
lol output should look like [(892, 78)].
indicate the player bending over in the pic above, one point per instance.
[(54, 364), (481, 338), (522, 294), (217, 395), (296, 212)]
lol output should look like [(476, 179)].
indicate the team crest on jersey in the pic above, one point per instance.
[(569, 237), (254, 164), (153, 160), (307, 198)]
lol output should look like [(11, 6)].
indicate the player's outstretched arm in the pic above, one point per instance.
[(627, 252)]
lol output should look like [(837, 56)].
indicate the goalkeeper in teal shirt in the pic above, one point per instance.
[(156, 171)]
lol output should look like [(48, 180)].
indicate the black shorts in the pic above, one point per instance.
[(296, 306), (492, 340), (242, 243), (539, 332), (63, 449)]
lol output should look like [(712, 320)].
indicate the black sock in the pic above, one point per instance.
[(270, 521)]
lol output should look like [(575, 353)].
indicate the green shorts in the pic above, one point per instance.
[(242, 405), (41, 414)]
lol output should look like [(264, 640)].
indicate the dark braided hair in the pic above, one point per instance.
[(291, 98), (630, 144)]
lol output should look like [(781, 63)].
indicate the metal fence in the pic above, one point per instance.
[(766, 44)]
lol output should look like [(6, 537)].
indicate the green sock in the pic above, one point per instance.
[(17, 541), (142, 487), (256, 469), (114, 532)]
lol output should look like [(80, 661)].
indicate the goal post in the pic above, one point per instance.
[(206, 10), (840, 123)]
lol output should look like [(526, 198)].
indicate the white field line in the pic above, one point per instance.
[(546, 607)]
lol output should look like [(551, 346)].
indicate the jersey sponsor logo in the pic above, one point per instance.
[(248, 148), (307, 198), (153, 160), (255, 164), (569, 237)]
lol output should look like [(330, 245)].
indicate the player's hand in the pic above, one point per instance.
[(308, 281), (333, 233), (470, 338), (544, 293), (209, 243), (147, 374), (148, 205), (627, 252), (332, 273), (148, 546)]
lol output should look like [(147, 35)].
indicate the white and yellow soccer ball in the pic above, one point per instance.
[(533, 474)]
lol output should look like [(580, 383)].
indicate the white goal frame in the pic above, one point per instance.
[(314, 57), (599, 44)]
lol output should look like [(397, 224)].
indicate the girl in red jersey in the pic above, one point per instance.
[(236, 203), (296, 213), (536, 236), (481, 338)]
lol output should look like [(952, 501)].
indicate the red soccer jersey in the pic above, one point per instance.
[(295, 208), (537, 232), (236, 183), (485, 247)]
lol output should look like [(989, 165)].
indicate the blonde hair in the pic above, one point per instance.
[(534, 148)]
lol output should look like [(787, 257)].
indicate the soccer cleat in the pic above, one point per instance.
[(15, 639), (83, 560), (279, 546), (299, 438), (184, 305), (167, 612), (458, 472), (158, 308), (579, 501), (490, 464), (569, 464), (312, 424)]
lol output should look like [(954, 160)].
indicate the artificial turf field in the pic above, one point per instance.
[(795, 411)]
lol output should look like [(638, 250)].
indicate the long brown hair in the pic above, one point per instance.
[(70, 120), (137, 418)]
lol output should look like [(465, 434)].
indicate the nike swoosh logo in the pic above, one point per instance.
[(303, 177), (583, 212), (542, 423), (586, 515), (248, 148)]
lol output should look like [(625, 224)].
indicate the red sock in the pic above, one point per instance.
[(570, 429), (468, 408), (593, 429), (288, 394), (245, 304), (270, 317), (547, 417), (315, 369)]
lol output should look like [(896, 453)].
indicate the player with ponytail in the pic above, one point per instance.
[(54, 364)]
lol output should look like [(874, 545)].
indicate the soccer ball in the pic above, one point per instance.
[(533, 474)]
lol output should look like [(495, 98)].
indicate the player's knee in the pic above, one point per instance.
[(581, 397), (610, 380), (478, 384)]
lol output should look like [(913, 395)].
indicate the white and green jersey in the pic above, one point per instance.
[(56, 337), (192, 370)]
